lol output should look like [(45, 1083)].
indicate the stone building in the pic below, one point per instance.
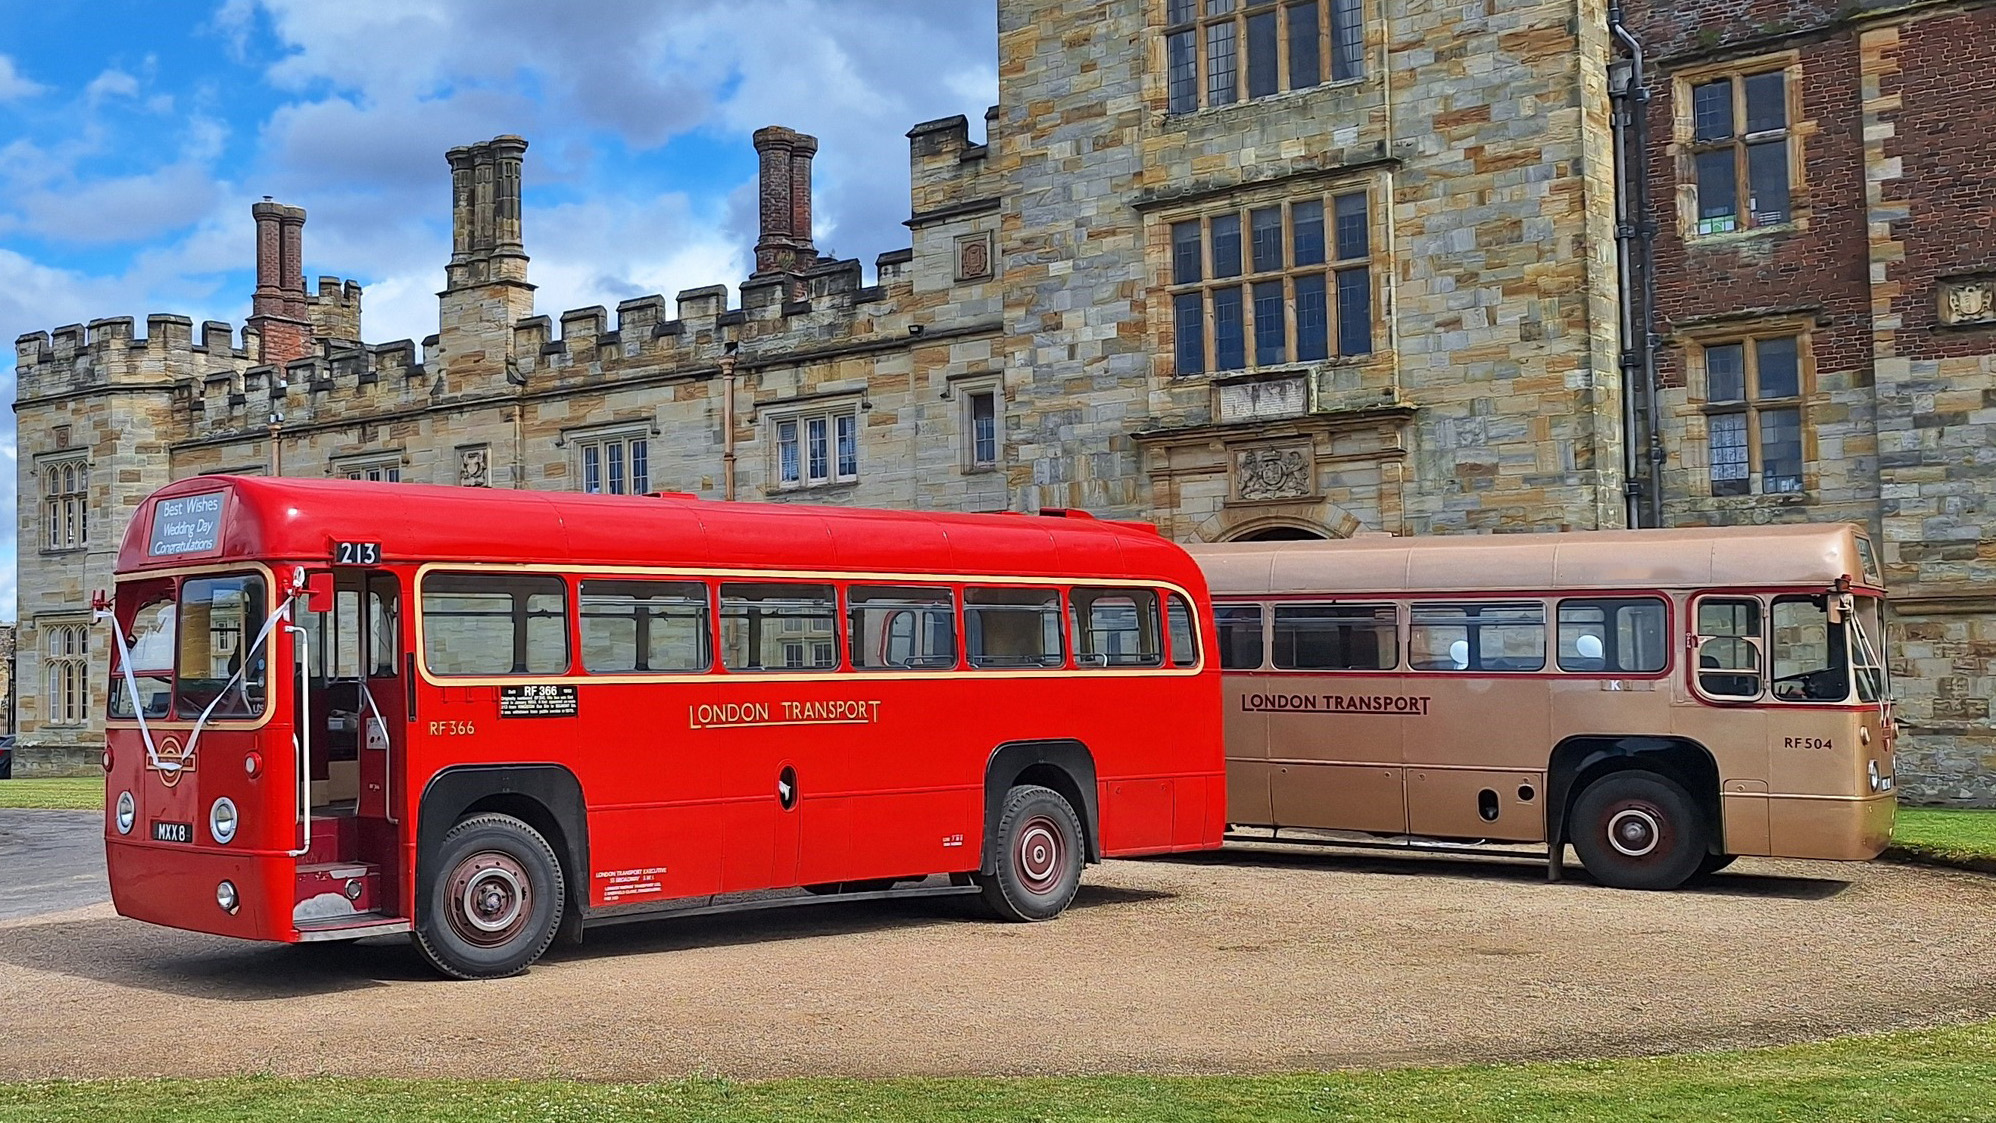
[(1243, 268), (1825, 206)]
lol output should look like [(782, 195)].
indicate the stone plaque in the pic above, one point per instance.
[(1273, 473), (973, 257), (1262, 399), (1967, 301), (474, 467)]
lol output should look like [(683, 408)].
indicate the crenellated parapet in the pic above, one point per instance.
[(946, 171), (107, 352)]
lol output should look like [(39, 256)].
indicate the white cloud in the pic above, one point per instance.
[(111, 83), (14, 87)]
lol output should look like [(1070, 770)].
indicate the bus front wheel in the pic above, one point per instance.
[(1038, 856), (492, 903), (1638, 830)]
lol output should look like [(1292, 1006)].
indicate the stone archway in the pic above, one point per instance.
[(1276, 522), (1280, 534)]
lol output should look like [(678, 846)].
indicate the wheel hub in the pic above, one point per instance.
[(1039, 854), (1634, 832), (491, 898)]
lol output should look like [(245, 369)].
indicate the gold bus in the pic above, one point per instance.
[(1663, 700)]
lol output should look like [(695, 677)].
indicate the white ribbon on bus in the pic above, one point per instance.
[(186, 759)]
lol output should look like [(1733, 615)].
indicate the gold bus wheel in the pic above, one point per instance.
[(1638, 830)]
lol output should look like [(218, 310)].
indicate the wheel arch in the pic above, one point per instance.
[(1063, 764), (547, 797), (1579, 761)]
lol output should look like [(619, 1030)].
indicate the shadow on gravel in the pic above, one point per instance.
[(1492, 868), (189, 965)]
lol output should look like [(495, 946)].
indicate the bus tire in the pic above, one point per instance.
[(1638, 830), (1713, 863), (493, 901), (1037, 856)]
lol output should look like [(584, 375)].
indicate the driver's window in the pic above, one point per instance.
[(1809, 654), (1729, 647)]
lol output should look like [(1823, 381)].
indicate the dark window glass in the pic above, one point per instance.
[(1012, 628), (1265, 238), (1261, 57), (1181, 11), (1476, 637), (640, 467), (1270, 331), (1189, 326), (1185, 250), (1336, 637), (1312, 319), (1767, 182), (1808, 657), (984, 428), (1780, 450), (778, 626), (495, 624), (1712, 110), (1718, 193), (1779, 373), (1306, 232), (1725, 373), (640, 626), (1610, 635), (1355, 312), (1220, 63), (1182, 62), (1229, 345), (1347, 39), (1353, 238), (1766, 102), (1306, 67), (1178, 620), (1227, 245), (218, 675), (1728, 651), (1728, 439), (901, 627), (1115, 628), (1239, 635), (1219, 7)]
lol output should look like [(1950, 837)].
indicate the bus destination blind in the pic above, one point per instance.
[(190, 524)]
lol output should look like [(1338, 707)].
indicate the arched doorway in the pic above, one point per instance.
[(1281, 534)]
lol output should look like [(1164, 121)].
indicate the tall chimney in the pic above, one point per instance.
[(784, 192), (278, 310), (485, 285)]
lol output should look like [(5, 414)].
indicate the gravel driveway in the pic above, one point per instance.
[(1252, 959)]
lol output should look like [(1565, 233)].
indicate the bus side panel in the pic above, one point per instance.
[(1137, 816)]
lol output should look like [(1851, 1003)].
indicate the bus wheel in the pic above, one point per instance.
[(1038, 856), (1713, 863), (1638, 830), (493, 900)]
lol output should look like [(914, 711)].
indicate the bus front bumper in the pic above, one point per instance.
[(1838, 830), (179, 887)]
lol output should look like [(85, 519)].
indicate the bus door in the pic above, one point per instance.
[(354, 708)]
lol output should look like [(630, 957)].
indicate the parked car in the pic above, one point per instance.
[(7, 757)]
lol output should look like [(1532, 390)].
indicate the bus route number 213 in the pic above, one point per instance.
[(356, 553)]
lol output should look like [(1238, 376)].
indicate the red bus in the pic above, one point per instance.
[(487, 717)]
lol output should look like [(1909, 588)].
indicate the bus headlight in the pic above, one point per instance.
[(222, 820), (128, 813), (225, 896), (1879, 781)]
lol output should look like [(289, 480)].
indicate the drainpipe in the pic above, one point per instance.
[(1635, 236), (276, 450), (728, 420)]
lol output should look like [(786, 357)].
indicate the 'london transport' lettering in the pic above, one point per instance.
[(716, 715), (1415, 705)]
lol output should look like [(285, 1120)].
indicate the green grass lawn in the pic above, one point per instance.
[(68, 793), (1945, 1074), (1936, 834)]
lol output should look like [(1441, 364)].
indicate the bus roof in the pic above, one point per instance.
[(299, 520), (1805, 555)]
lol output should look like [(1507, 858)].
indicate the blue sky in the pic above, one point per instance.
[(134, 136)]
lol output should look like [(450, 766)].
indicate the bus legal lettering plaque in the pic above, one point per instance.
[(538, 700), (190, 524)]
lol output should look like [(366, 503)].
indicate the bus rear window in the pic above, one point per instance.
[(495, 624), (1009, 628), (1336, 637), (1178, 621), (1115, 628), (1506, 637)]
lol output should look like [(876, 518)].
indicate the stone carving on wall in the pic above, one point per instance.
[(1967, 301), (1273, 473), (474, 466), (1261, 399), (973, 257)]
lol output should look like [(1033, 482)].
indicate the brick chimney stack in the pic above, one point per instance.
[(784, 244), (279, 311)]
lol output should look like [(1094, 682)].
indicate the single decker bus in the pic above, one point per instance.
[(486, 717), (1662, 700)]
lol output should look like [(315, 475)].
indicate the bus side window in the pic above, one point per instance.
[(495, 624), (384, 635), (1506, 637), (1178, 621), (901, 628), (1337, 637), (1006, 628), (1115, 627), (1239, 638), (635, 627), (1729, 662), (779, 626), (1612, 634)]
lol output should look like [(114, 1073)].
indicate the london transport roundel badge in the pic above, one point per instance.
[(168, 754)]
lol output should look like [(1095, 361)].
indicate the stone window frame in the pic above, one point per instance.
[(967, 389), (65, 481), (1243, 208), (627, 445), (1753, 405), (378, 468), (1685, 147), (65, 650), (1198, 33), (795, 421)]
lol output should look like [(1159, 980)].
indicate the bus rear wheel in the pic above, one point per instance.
[(1038, 856), (1638, 830), (493, 901)]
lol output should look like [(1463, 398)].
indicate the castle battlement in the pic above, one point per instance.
[(106, 351), (945, 169)]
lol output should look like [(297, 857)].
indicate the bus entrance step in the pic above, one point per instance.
[(334, 891), (350, 928), (335, 838)]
